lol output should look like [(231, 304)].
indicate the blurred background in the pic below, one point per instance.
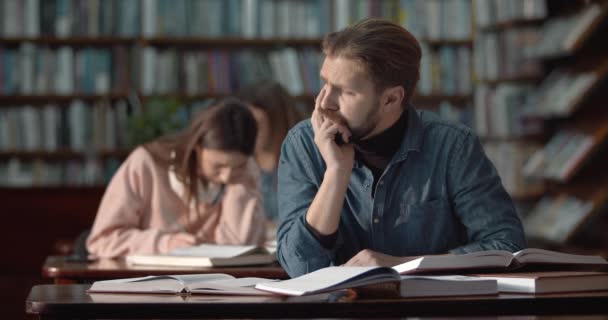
[(84, 81)]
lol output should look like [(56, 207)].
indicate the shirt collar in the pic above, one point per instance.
[(412, 139)]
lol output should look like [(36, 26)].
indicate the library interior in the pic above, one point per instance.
[(84, 83)]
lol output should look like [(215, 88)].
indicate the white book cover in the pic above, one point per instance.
[(249, 16), (149, 71), (32, 18), (10, 22), (582, 21), (50, 125), (294, 76), (64, 76), (148, 18), (28, 56), (76, 120), (31, 128)]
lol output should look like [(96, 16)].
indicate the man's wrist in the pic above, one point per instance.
[(338, 171)]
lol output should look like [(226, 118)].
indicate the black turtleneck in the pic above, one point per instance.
[(377, 151)]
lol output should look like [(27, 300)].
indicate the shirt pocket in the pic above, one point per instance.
[(421, 213)]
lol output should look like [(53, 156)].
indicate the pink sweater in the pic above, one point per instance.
[(141, 213)]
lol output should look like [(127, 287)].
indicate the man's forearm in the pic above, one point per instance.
[(324, 212)]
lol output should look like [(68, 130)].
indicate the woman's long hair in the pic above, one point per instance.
[(278, 105), (227, 125)]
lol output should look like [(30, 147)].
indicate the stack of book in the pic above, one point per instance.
[(412, 278)]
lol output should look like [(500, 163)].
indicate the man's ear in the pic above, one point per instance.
[(392, 98)]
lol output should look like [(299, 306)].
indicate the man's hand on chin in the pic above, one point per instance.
[(367, 258)]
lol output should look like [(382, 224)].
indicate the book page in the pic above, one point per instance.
[(330, 278), (238, 286), (533, 255), (481, 259), (158, 284), (189, 280), (215, 251)]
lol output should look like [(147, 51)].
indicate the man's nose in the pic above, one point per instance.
[(329, 100)]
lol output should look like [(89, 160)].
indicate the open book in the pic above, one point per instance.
[(208, 255), (335, 278), (214, 283), (497, 259)]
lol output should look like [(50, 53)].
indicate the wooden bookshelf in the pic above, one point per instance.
[(63, 154), (166, 41), (518, 23), (43, 99), (585, 36), (598, 129), (50, 98), (458, 100), (229, 42), (514, 80), (445, 42), (595, 192), (71, 41), (523, 138), (530, 195)]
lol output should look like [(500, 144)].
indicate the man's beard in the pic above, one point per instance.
[(357, 134)]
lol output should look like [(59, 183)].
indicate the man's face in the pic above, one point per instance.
[(349, 96)]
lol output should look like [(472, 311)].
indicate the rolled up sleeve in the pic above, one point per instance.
[(299, 250)]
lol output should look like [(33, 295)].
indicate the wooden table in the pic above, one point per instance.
[(64, 271), (72, 301)]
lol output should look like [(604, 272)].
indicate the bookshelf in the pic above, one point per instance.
[(210, 50), (570, 101)]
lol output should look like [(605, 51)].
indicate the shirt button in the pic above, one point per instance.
[(376, 220), (381, 182)]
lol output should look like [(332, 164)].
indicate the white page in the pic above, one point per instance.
[(237, 286), (331, 278), (213, 251)]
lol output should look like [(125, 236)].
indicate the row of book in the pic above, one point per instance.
[(492, 12), (555, 218), (560, 92), (40, 173), (222, 71), (498, 111), (433, 19), (77, 127), (506, 54), (31, 69), (67, 18), (451, 112), (437, 19), (93, 127), (509, 159), (562, 35), (560, 156), (446, 71)]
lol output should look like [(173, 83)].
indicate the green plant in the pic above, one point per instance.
[(160, 116)]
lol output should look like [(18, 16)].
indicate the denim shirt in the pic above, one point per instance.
[(439, 194)]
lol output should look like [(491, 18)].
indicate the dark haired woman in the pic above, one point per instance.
[(275, 113)]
